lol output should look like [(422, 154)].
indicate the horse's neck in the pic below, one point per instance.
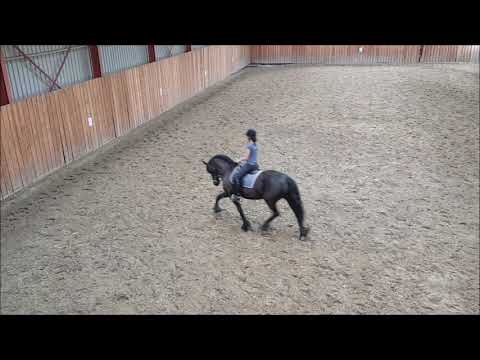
[(226, 173), (225, 168)]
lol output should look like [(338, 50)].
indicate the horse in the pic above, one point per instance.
[(270, 185)]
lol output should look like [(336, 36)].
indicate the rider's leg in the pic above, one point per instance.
[(237, 180), (235, 186)]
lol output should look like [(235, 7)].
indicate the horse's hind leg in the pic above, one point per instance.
[(272, 204), (246, 224)]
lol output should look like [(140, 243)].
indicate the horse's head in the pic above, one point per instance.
[(212, 170), (219, 166)]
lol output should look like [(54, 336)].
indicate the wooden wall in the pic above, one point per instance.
[(372, 54), (44, 133), (450, 54)]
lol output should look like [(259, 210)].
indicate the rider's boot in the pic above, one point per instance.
[(235, 192)]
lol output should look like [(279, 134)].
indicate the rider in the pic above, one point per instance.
[(247, 164)]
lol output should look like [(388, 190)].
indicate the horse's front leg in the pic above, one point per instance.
[(246, 224), (217, 208)]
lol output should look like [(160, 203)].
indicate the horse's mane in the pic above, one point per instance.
[(225, 158)]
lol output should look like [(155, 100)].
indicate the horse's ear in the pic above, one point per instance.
[(204, 162)]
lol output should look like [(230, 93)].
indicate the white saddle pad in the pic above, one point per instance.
[(248, 180)]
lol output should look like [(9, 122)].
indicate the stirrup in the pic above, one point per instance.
[(235, 197)]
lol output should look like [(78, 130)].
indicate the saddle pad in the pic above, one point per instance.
[(248, 180)]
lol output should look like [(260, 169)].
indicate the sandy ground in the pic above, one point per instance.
[(387, 161)]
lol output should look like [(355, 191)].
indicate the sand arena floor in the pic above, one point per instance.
[(387, 161)]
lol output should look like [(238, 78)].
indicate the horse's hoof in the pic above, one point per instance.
[(217, 210), (265, 228), (246, 227), (304, 233)]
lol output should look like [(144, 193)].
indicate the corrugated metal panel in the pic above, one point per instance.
[(198, 46), (164, 51), (27, 81), (178, 49), (115, 58)]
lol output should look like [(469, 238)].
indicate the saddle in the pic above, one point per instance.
[(248, 180)]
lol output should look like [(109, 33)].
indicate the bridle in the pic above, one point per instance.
[(215, 175)]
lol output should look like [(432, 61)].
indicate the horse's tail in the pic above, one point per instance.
[(295, 202)]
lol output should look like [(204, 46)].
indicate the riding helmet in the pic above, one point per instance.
[(251, 133)]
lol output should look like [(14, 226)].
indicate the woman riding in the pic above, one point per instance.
[(248, 163)]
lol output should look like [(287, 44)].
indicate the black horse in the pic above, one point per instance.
[(270, 185)]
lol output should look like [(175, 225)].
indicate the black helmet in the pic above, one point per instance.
[(251, 133)]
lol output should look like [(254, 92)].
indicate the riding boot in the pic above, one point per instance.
[(235, 191)]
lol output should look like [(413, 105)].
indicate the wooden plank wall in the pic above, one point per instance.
[(372, 54), (334, 54), (44, 133), (451, 54)]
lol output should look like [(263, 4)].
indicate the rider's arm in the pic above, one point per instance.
[(245, 158)]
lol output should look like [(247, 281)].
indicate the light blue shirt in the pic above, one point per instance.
[(252, 160)]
